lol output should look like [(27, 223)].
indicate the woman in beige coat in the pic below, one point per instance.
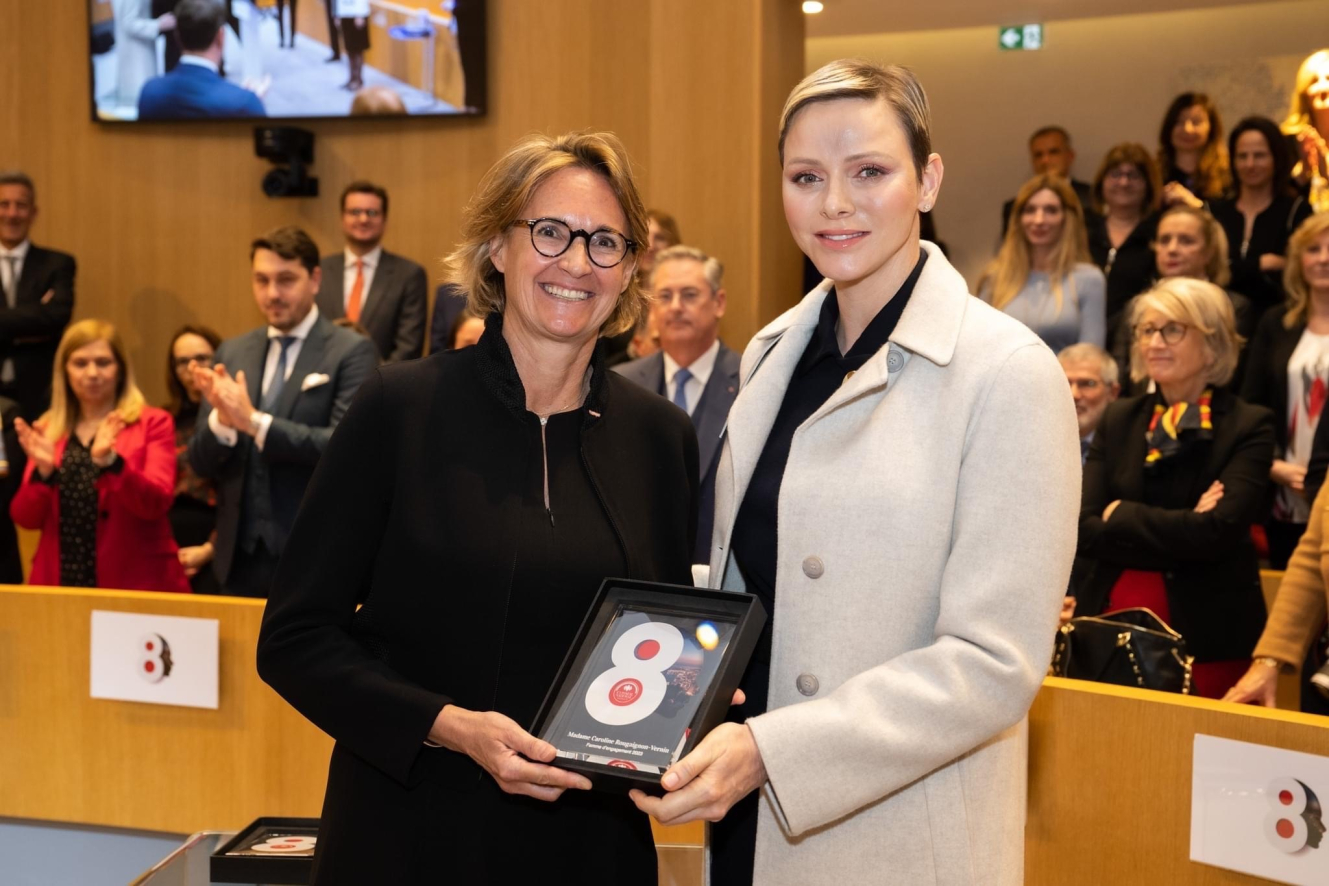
[(900, 484)]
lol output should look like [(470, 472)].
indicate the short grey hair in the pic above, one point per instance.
[(710, 266), (16, 177), (1087, 351)]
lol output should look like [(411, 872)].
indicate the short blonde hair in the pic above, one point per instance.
[(1204, 307), (856, 78), (710, 266), (63, 415), (1215, 241), (509, 185), (1294, 277)]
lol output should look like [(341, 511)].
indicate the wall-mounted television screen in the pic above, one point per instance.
[(231, 59)]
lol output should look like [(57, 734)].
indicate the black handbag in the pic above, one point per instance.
[(1129, 647)]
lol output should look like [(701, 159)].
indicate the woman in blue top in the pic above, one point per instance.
[(1042, 275)]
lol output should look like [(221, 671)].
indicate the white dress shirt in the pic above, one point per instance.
[(371, 260), (188, 59), (701, 373), (230, 436), (11, 271)]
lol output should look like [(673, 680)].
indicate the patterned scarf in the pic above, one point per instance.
[(1174, 428)]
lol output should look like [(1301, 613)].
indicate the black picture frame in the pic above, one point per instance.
[(233, 862), (619, 756)]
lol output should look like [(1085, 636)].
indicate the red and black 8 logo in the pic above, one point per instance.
[(1295, 820), (154, 658)]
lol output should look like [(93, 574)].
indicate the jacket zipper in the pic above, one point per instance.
[(544, 458)]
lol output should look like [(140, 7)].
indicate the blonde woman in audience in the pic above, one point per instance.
[(1308, 122), (1288, 371), (1173, 482), (876, 492), (100, 479), (1043, 276)]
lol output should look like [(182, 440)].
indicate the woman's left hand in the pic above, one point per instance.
[(704, 785), (1272, 261), (104, 441), (1176, 192)]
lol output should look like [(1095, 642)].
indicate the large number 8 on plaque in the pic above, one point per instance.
[(635, 686), (1293, 822)]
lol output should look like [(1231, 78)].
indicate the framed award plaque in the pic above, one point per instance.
[(652, 670), (270, 850)]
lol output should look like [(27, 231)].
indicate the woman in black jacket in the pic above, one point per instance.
[(473, 502), (1174, 480)]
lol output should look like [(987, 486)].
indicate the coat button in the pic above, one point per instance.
[(813, 567), (894, 361), (848, 375), (807, 684)]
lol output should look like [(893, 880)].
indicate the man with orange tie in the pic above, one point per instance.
[(384, 293)]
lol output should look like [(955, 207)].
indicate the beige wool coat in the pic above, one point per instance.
[(927, 522)]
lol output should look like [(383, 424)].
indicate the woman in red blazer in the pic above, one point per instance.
[(101, 474)]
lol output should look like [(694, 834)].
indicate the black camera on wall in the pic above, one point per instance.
[(292, 149)]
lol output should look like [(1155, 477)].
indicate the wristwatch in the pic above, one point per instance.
[(255, 422), (1269, 661)]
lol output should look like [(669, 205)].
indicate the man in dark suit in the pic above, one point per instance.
[(36, 299), (693, 368), (384, 293), (302, 371), (196, 88), (1050, 152)]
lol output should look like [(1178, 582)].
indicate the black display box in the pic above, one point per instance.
[(653, 669), (238, 862)]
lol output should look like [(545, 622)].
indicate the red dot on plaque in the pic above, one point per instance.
[(647, 650), (148, 645), (1285, 797), (1284, 828), (149, 667)]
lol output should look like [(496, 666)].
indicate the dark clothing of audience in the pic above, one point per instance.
[(194, 513), (393, 315), (449, 302), (32, 319), (1129, 268), (1205, 564), (11, 564), (1269, 236)]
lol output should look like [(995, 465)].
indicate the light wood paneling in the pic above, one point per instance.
[(160, 216), (1110, 780)]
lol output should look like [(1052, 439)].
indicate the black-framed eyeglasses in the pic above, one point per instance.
[(551, 238), (1172, 332), (367, 213)]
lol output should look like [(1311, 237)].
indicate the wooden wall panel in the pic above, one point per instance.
[(160, 216)]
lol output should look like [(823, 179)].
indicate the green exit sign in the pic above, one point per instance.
[(1021, 37)]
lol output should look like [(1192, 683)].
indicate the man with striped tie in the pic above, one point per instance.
[(384, 293), (302, 371)]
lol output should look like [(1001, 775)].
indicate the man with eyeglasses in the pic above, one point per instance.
[(693, 368), (383, 292), (1092, 374)]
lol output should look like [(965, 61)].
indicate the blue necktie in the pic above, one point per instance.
[(278, 378), (680, 389)]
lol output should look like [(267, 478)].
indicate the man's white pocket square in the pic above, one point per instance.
[(314, 379)]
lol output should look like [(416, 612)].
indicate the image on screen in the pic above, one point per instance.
[(640, 689), (155, 60)]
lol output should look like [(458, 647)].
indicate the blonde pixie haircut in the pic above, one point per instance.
[(506, 189), (1200, 305), (64, 412), (1294, 277), (856, 78)]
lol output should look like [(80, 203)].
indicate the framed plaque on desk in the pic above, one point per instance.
[(652, 670)]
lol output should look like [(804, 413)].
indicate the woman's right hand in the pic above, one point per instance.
[(1285, 473), (40, 451), (1212, 496), (505, 751), (1259, 685)]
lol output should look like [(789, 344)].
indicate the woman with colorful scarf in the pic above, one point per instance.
[(1173, 482)]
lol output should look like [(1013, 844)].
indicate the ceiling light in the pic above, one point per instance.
[(812, 7)]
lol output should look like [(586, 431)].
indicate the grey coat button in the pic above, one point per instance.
[(813, 567), (894, 361), (807, 684)]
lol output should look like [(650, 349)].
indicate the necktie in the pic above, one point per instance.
[(680, 389), (11, 280), (357, 292), (278, 376)]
